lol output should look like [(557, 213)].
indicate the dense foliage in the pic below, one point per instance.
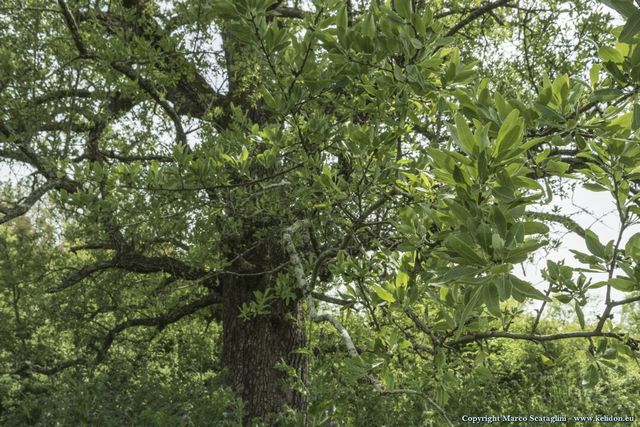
[(287, 213)]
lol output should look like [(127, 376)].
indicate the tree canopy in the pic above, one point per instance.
[(314, 213)]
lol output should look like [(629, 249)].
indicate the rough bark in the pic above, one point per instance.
[(253, 349)]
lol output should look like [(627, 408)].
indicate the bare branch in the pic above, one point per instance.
[(610, 306), (13, 155), (475, 14), (26, 204), (422, 326), (535, 338), (332, 300), (64, 93), (136, 263), (81, 274), (150, 89), (73, 28)]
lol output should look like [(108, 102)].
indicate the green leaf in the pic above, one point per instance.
[(369, 26), (503, 285), (492, 299), (498, 218), (504, 109), (461, 248), (403, 8), (535, 228), (549, 114), (526, 289), (591, 186), (384, 294), (606, 94), (565, 299), (501, 268), (458, 210), (416, 43), (592, 378), (635, 123), (580, 315), (469, 306), (622, 284), (593, 244), (631, 28), (594, 74), (483, 233), (342, 23), (560, 88), (505, 194), (496, 242), (459, 272), (632, 248), (462, 135), (555, 167), (593, 261), (516, 234), (610, 54), (402, 279), (521, 253), (510, 132), (244, 155)]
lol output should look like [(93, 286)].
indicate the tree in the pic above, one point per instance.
[(243, 162)]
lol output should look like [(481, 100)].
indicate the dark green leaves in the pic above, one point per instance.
[(631, 28), (464, 250), (521, 252), (403, 7), (635, 123), (462, 135), (522, 289), (510, 133), (474, 299), (623, 7), (491, 298)]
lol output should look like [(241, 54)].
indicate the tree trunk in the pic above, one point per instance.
[(255, 349)]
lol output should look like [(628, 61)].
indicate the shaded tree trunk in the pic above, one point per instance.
[(255, 349)]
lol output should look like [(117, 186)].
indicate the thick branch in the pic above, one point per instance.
[(26, 204), (159, 322), (535, 338), (332, 300), (610, 306), (73, 28), (136, 263), (475, 14)]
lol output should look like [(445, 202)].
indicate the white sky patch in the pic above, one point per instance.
[(591, 210)]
